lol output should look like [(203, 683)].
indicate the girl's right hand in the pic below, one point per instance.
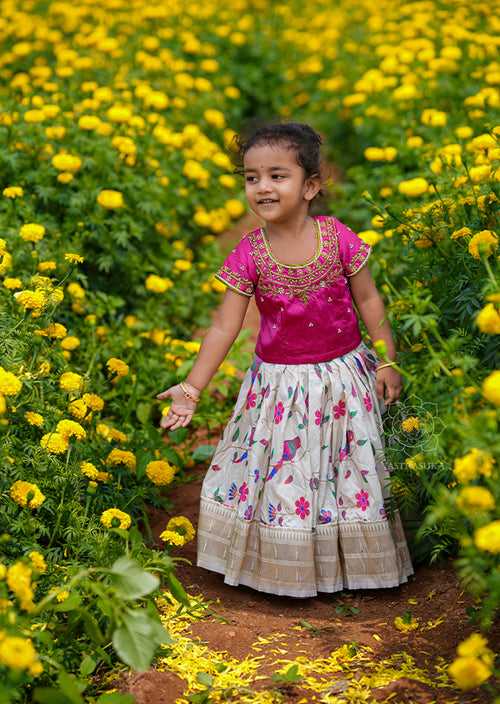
[(180, 412)]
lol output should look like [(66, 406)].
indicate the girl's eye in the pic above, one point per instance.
[(274, 176)]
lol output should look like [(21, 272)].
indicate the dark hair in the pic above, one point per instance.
[(297, 135)]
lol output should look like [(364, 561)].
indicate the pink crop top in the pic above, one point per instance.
[(306, 310)]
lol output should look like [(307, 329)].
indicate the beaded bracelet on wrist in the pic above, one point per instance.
[(187, 393)]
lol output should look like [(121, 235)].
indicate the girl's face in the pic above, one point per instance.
[(273, 174)]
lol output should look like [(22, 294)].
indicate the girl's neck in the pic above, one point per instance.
[(292, 229)]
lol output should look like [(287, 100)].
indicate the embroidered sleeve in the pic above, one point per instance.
[(238, 270), (354, 252)]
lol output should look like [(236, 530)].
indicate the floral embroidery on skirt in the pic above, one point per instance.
[(293, 502)]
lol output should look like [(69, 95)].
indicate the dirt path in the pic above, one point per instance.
[(241, 636)]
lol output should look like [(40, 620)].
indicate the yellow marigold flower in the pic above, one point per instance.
[(480, 173), (66, 162), (371, 237), (462, 232), (17, 653), (234, 207), (471, 465), (117, 435), (12, 283), (34, 418), (10, 385), (3, 571), (26, 494), (413, 187), (78, 408), (227, 181), (474, 646), (114, 518), (160, 472), (172, 538), (117, 366), (488, 320), (62, 596), (487, 537), (89, 122), (38, 561), (70, 428), (182, 264), (5, 262), (157, 284), (89, 470), (46, 266), (182, 525), (435, 118), (468, 672), (31, 232), (103, 430), (54, 442), (464, 132), (491, 388), (55, 330), (70, 381), (35, 300), (74, 258), (192, 345), (411, 423), (475, 497), (93, 401), (75, 291), (485, 241), (215, 118), (70, 343), (13, 192), (103, 476), (125, 457), (414, 141), (19, 582), (110, 199)]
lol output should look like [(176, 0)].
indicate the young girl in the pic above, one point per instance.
[(293, 501)]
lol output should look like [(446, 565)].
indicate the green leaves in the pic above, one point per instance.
[(135, 641), (130, 581)]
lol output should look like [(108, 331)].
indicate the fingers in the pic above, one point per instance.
[(393, 393), (163, 394), (173, 420), (379, 387)]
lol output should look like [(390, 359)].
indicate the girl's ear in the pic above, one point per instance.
[(313, 186)]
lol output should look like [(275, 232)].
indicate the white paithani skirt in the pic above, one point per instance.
[(293, 502)]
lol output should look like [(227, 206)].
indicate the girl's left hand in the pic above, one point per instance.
[(388, 381)]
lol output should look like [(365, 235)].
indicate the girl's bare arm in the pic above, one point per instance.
[(226, 325), (371, 309), (227, 322)]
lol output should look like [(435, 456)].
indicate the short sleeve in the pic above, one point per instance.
[(354, 251), (238, 270)]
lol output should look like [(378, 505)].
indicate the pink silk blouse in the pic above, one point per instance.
[(306, 310)]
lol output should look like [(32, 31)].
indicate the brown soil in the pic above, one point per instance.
[(241, 615)]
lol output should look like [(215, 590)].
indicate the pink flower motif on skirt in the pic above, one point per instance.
[(362, 500), (279, 409), (243, 491), (251, 400), (302, 507), (339, 409), (318, 417), (367, 401)]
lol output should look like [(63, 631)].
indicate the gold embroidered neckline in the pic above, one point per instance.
[(319, 247)]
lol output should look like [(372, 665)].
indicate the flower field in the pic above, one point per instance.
[(116, 121)]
